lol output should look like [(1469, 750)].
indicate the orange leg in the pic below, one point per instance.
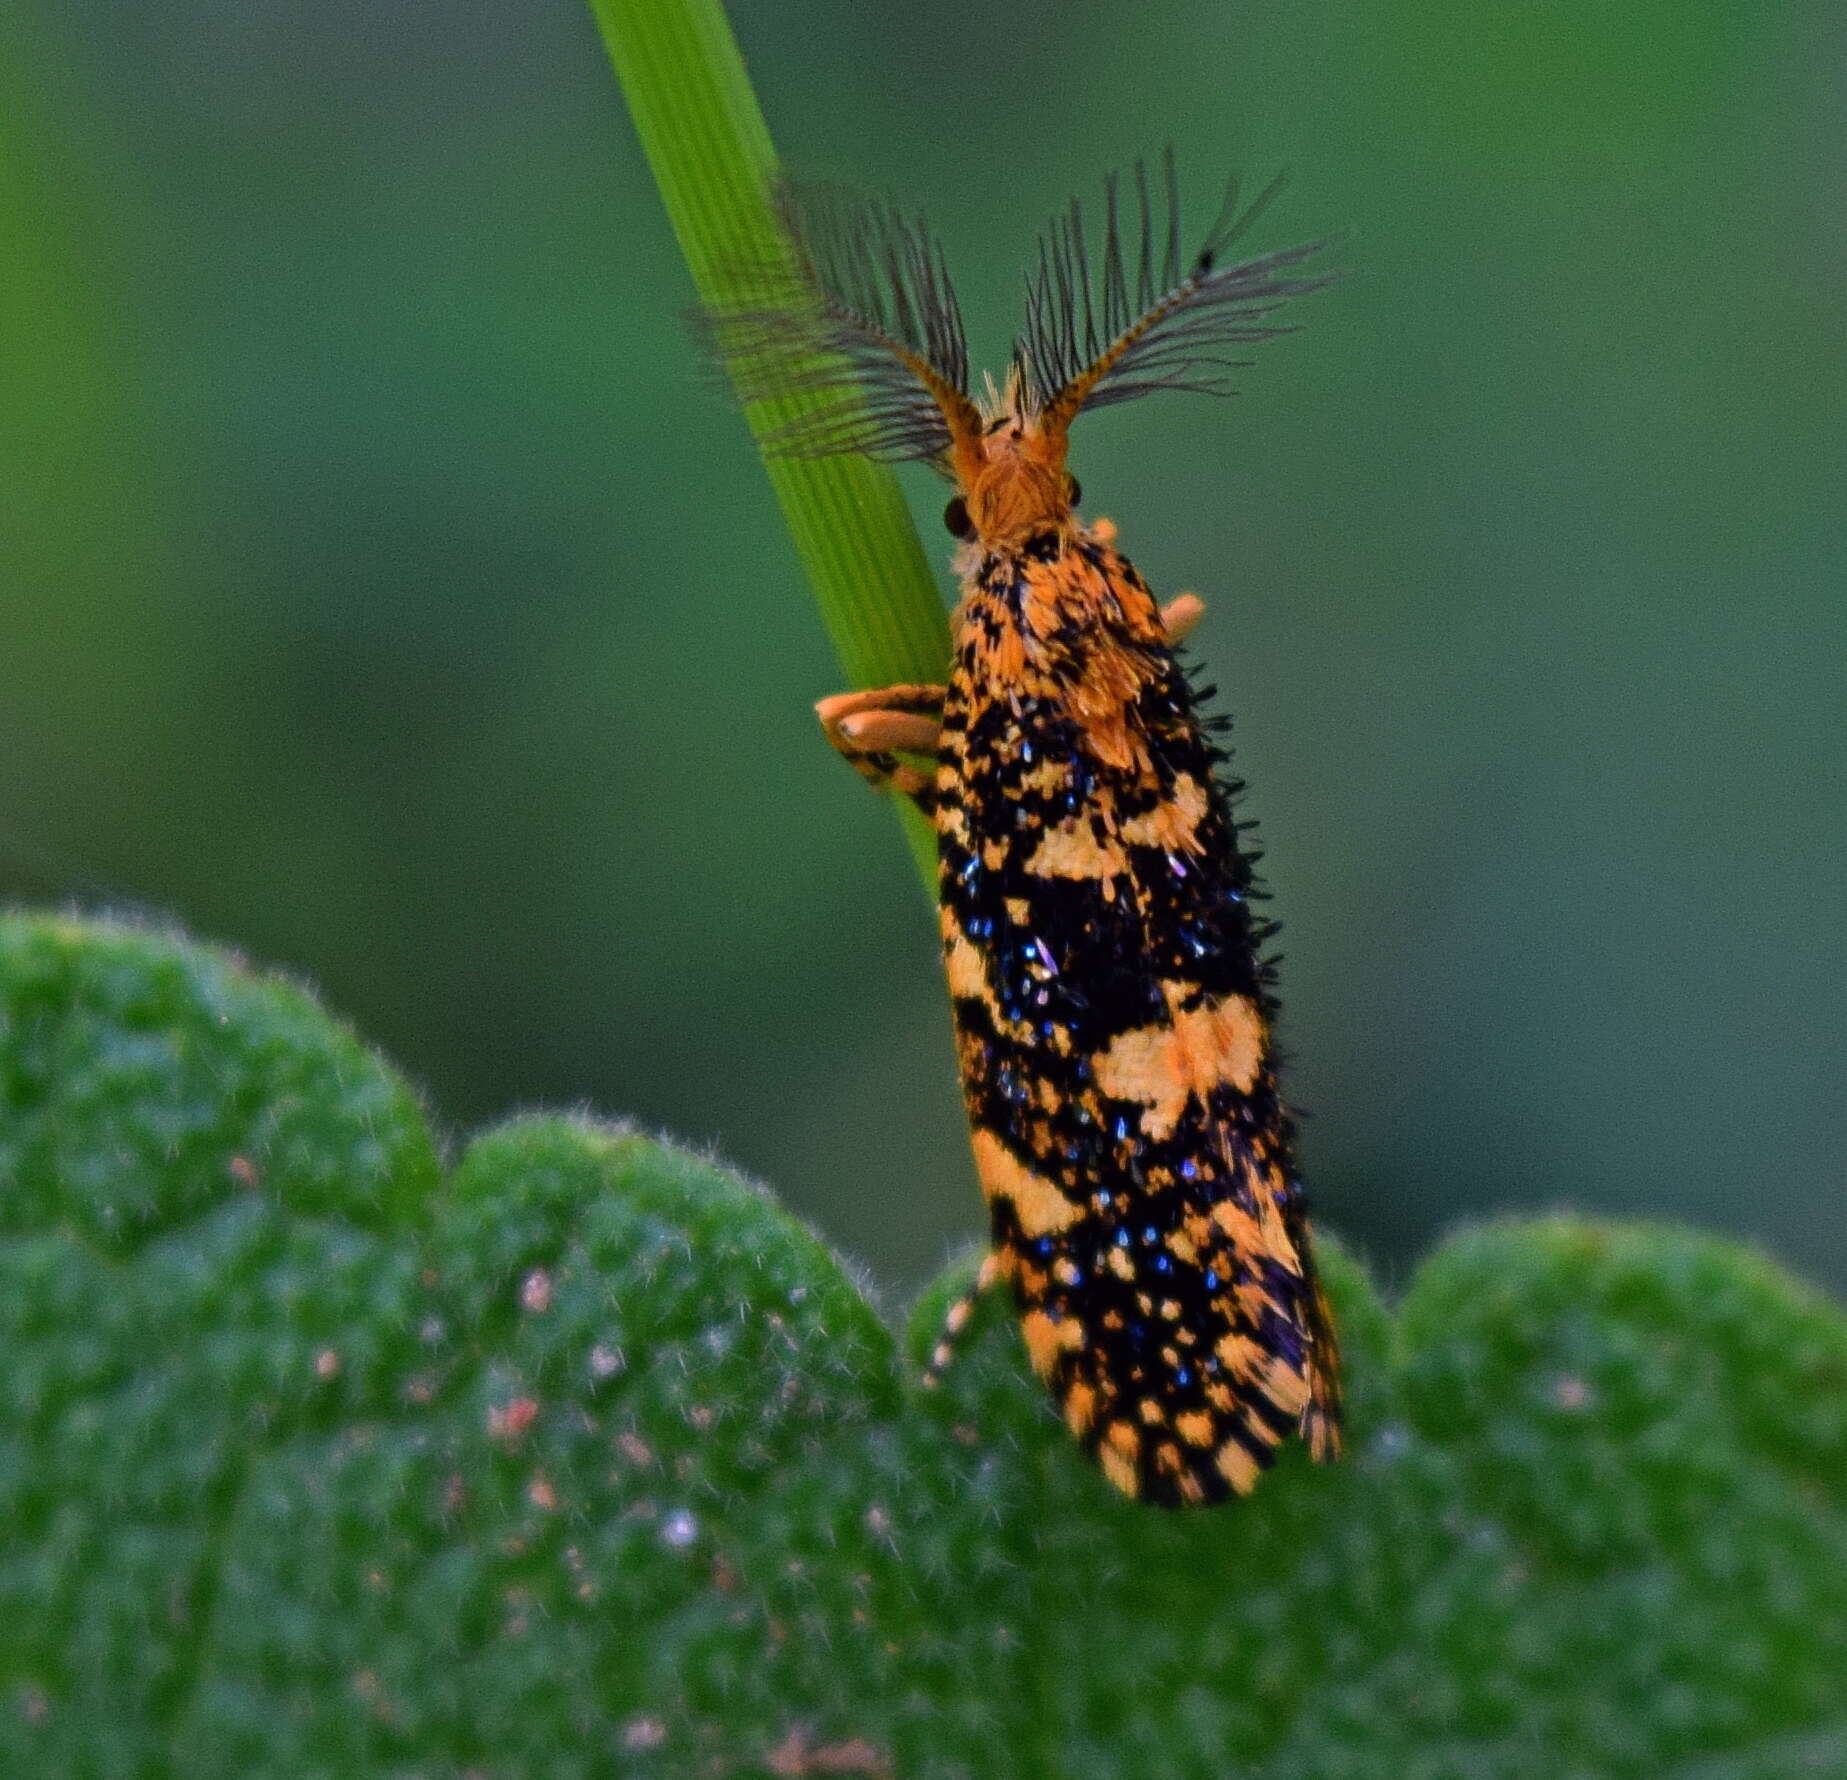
[(870, 729), (1180, 614), (993, 1271)]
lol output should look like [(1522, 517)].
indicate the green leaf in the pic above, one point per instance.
[(592, 1461)]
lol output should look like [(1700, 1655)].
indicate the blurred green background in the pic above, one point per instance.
[(386, 589)]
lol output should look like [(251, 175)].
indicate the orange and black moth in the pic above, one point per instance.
[(1113, 1002)]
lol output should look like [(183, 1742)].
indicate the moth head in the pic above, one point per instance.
[(1009, 471), (858, 332)]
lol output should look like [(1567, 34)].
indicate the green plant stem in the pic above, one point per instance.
[(710, 151)]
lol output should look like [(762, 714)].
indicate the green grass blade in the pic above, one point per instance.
[(710, 151)]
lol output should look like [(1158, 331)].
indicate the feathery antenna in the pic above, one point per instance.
[(868, 314), (1096, 337)]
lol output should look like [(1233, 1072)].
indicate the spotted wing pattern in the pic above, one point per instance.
[(1113, 1017)]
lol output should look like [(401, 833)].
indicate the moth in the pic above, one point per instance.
[(1113, 1004)]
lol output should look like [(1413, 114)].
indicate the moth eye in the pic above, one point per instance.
[(955, 517), (1074, 490)]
